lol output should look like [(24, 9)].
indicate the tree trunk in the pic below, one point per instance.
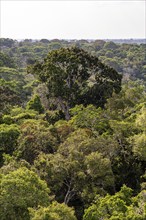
[(64, 108), (67, 115)]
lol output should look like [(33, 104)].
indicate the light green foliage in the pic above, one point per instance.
[(11, 163), (141, 117), (73, 167), (16, 111), (90, 117), (137, 210), (119, 206), (122, 105), (8, 137), (21, 189), (55, 211), (139, 145), (62, 129), (18, 115), (24, 115), (98, 169), (143, 184), (12, 86), (7, 119), (13, 76), (139, 140)]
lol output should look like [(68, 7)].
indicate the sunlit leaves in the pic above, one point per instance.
[(55, 211), (21, 189)]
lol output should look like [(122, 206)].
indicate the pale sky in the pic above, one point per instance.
[(106, 19)]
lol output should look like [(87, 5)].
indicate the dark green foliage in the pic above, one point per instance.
[(35, 137), (110, 45), (6, 42), (44, 41), (8, 97), (30, 61), (54, 116), (8, 138), (86, 160), (13, 87), (74, 77), (6, 61), (35, 104)]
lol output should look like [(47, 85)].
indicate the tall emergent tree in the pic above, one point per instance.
[(75, 77)]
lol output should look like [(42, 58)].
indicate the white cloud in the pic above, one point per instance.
[(72, 19)]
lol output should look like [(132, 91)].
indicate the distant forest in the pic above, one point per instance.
[(127, 58), (72, 129)]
